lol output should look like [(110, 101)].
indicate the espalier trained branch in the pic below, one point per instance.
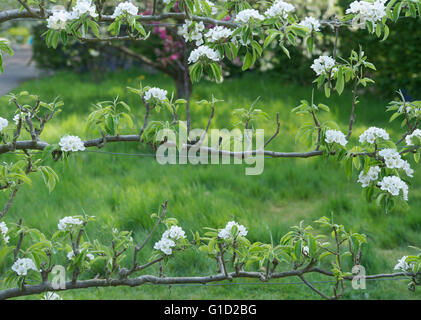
[(213, 32)]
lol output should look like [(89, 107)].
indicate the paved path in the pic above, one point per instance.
[(17, 69)]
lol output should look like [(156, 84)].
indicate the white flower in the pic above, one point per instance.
[(279, 9), (90, 256), (58, 20), (218, 33), (165, 245), (3, 123), (407, 168), (203, 51), (408, 139), (51, 296), (3, 230), (156, 93), (67, 223), (195, 34), (125, 8), (394, 185), (70, 255), (175, 233), (305, 250), (82, 7), (310, 23), (18, 116), (336, 136), (71, 143), (244, 16), (403, 265), (323, 65), (22, 266), (371, 175), (371, 134), (368, 11), (226, 232), (214, 9), (393, 160)]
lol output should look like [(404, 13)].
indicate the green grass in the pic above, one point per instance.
[(123, 191)]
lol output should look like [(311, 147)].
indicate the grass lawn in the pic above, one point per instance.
[(123, 191)]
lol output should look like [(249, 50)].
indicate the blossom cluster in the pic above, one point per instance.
[(408, 139), (403, 265), (336, 136), (167, 243), (22, 266), (71, 255), (226, 232), (51, 296), (218, 33), (371, 134), (156, 93), (194, 35), (279, 9), (19, 116), (3, 123), (310, 23), (393, 160), (3, 230), (371, 175), (125, 8), (67, 223), (246, 15), (203, 51), (394, 185), (323, 65), (59, 18), (71, 143), (368, 11)]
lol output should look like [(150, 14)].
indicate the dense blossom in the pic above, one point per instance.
[(58, 20), (203, 51), (175, 232), (279, 9), (403, 265), (415, 134), (3, 230), (393, 160), (226, 232), (167, 240), (165, 245), (83, 7), (71, 143), (323, 65), (394, 185), (156, 93), (310, 23), (371, 134), (368, 11), (22, 266), (3, 123), (196, 34), (246, 15), (125, 8), (51, 296), (218, 33), (336, 136), (68, 222), (371, 175)]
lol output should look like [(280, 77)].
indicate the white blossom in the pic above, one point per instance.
[(415, 134), (394, 185), (203, 51), (3, 123), (310, 23), (393, 160), (175, 232), (70, 255), (279, 9), (67, 223), (165, 245), (323, 65), (83, 7), (368, 11), (51, 296), (18, 116), (403, 265), (214, 9), (22, 266), (244, 16), (125, 8), (3, 230), (371, 175), (58, 20), (194, 35), (336, 136), (156, 93), (218, 33), (305, 250), (90, 256), (226, 232), (371, 134), (71, 143)]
